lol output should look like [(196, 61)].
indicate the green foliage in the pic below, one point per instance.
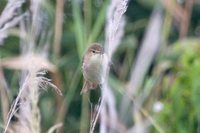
[(181, 111)]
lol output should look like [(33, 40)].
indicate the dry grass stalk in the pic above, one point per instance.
[(114, 32), (58, 26), (53, 128), (4, 96), (26, 103), (181, 14), (186, 21), (149, 48), (10, 16), (19, 63), (25, 107), (96, 116)]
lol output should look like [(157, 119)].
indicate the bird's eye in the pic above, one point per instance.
[(93, 51)]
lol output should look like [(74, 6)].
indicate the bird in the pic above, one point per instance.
[(93, 69)]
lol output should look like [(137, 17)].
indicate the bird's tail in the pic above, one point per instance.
[(88, 86), (85, 87)]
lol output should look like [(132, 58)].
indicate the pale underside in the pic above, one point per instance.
[(93, 71)]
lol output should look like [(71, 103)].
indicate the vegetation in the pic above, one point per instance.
[(153, 80)]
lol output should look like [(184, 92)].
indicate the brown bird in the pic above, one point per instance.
[(92, 67)]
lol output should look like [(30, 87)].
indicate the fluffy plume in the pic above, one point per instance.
[(113, 34), (25, 108), (11, 16)]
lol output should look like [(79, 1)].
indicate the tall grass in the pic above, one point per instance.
[(113, 34), (11, 16), (149, 86), (25, 106)]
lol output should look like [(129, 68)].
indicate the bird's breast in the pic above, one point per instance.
[(92, 70)]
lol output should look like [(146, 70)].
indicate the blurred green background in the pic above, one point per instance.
[(172, 81)]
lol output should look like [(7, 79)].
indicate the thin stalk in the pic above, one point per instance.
[(98, 25), (96, 117), (79, 30), (12, 110), (87, 16), (85, 114), (58, 26)]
